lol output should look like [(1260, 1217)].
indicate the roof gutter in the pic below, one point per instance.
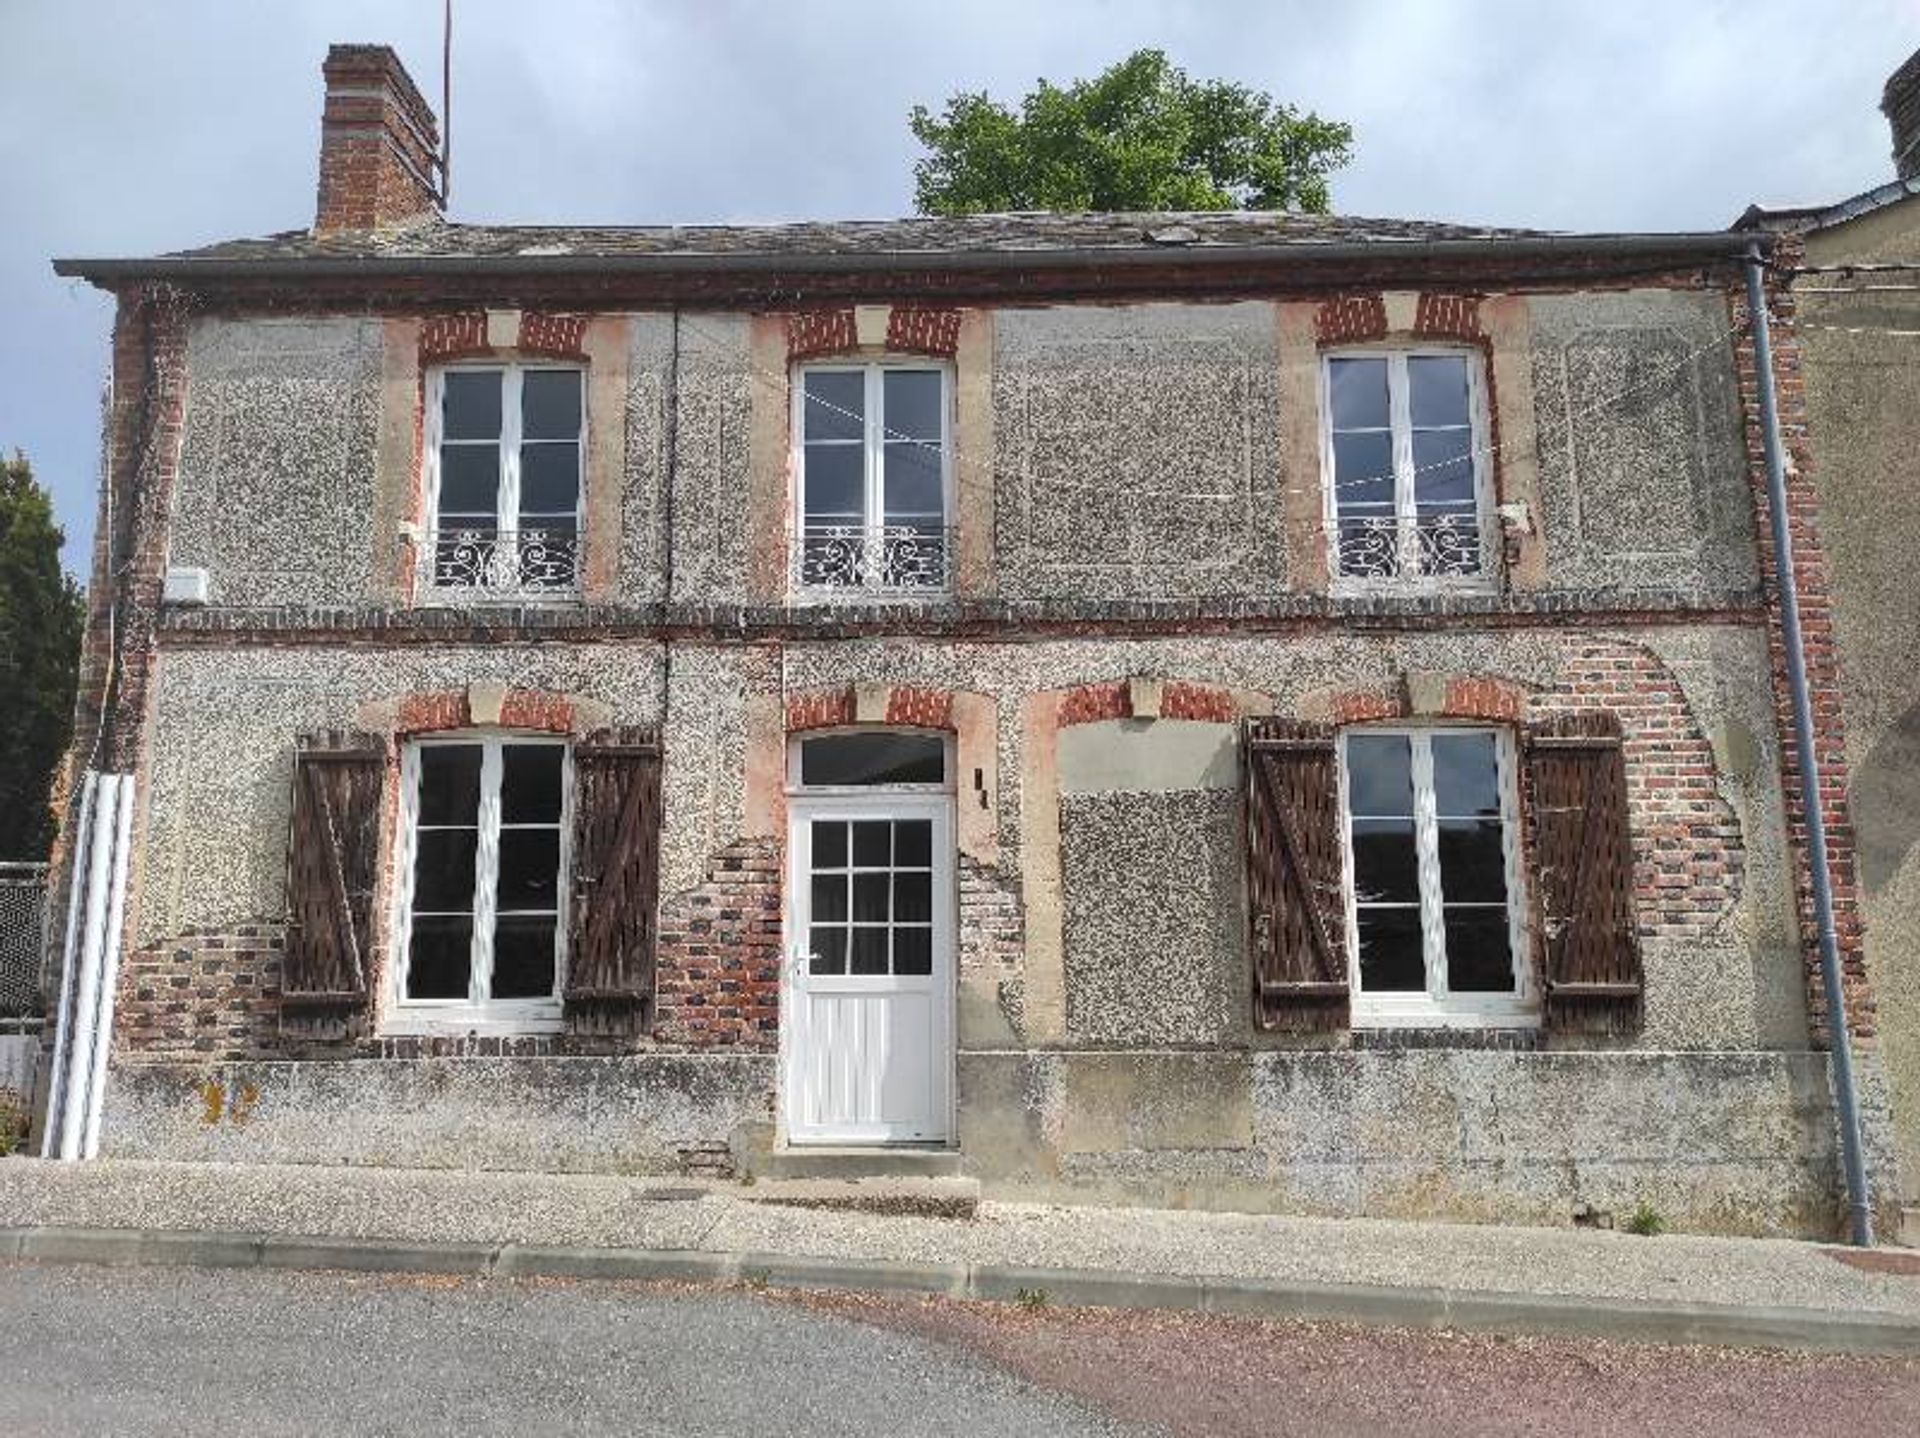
[(1713, 244)]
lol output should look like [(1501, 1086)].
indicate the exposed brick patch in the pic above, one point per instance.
[(1351, 319), (532, 709), (718, 968), (1360, 706), (922, 708), (208, 995), (1181, 700), (993, 934), (921, 330), (453, 336), (1485, 698), (553, 336), (1444, 316), (820, 709), (1091, 703), (819, 332), (1819, 644)]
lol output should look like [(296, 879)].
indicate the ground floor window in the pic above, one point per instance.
[(482, 900), (1434, 916)]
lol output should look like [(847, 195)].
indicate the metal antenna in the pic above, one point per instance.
[(446, 102)]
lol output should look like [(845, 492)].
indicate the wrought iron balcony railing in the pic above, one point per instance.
[(501, 564), (886, 558), (1392, 547)]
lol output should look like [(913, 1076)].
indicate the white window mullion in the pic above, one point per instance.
[(486, 870), (1427, 847), (876, 446), (404, 863), (509, 507), (1400, 418)]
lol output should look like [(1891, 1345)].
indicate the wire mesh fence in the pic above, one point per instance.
[(23, 909)]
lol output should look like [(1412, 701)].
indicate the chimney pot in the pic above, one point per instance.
[(379, 143), (1900, 103)]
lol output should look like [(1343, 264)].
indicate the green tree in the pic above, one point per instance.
[(41, 618), (1140, 137)]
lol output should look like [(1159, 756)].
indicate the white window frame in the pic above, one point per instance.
[(873, 442), (1437, 1007), (474, 1013), (1400, 419), (507, 497)]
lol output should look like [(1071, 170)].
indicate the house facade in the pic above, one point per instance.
[(1859, 302), (1261, 711)]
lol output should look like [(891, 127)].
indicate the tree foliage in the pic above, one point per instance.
[(1141, 136), (41, 618)]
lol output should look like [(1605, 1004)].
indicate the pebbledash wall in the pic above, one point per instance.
[(1139, 497)]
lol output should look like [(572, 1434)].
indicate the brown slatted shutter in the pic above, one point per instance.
[(1583, 847), (1296, 903), (616, 867), (333, 861)]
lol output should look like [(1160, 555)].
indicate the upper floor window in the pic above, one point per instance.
[(504, 455), (874, 500), (1434, 918), (1406, 448), (484, 853)]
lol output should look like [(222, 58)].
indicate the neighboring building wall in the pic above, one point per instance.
[(1112, 458), (1863, 401)]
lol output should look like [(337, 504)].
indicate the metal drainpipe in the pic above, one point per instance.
[(1858, 1205)]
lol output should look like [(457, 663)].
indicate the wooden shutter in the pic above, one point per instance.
[(616, 868), (333, 859), (1296, 903), (1583, 851)]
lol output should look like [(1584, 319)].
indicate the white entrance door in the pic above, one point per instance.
[(866, 1011)]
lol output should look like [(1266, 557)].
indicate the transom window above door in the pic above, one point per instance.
[(484, 837), (873, 502), (504, 459), (1434, 915), (1408, 493)]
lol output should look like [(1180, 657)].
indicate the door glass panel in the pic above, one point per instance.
[(869, 951), (829, 844), (913, 950), (829, 899), (870, 898), (829, 950), (873, 758), (912, 898), (913, 843)]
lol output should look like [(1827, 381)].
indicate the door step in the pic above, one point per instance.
[(856, 1163), (923, 1197)]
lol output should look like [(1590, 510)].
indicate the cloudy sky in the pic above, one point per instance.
[(134, 126)]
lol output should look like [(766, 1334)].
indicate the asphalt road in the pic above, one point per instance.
[(103, 1351)]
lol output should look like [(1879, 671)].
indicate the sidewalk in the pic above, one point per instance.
[(1672, 1288)]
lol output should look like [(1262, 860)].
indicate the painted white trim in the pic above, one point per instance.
[(1437, 1007), (1400, 421), (476, 1013)]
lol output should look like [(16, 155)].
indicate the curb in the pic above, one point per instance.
[(1626, 1320)]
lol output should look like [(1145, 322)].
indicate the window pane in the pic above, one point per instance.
[(1386, 867), (872, 844), (870, 897), (1443, 467), (1473, 862), (1363, 470), (912, 843), (1437, 389), (549, 478), (1357, 392), (836, 484), (1479, 951), (449, 783), (550, 404), (443, 871), (829, 896), (913, 898), (470, 479), (912, 403), (470, 404), (829, 949), (913, 487), (1379, 775), (530, 783), (523, 957), (1466, 774), (829, 844), (873, 759), (529, 869), (869, 952), (1391, 958), (835, 405), (913, 951), (439, 957)]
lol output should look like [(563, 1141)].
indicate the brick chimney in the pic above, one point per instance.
[(1900, 103), (379, 143)]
